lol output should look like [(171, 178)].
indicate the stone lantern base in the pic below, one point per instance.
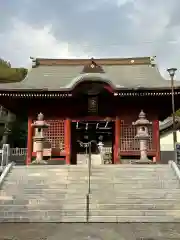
[(41, 162), (143, 161)]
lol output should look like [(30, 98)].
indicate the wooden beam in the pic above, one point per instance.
[(67, 136), (117, 140)]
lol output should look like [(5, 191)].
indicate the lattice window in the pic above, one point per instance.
[(55, 133), (127, 139)]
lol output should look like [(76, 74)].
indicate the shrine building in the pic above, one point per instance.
[(92, 99)]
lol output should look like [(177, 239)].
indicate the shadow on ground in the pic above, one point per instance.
[(93, 231)]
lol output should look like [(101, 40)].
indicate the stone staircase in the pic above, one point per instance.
[(135, 193), (119, 193), (82, 159)]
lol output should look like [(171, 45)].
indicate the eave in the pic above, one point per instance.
[(35, 94), (65, 93)]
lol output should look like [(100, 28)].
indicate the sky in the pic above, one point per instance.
[(90, 28)]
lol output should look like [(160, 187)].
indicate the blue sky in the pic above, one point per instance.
[(90, 28)]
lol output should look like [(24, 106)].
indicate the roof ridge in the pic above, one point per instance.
[(100, 61)]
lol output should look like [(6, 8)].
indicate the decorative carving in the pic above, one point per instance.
[(35, 62), (92, 67), (40, 117), (153, 61)]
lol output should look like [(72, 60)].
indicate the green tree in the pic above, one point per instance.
[(9, 74), (178, 113), (18, 137)]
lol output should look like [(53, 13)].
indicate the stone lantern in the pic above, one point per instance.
[(100, 146), (142, 135), (39, 125)]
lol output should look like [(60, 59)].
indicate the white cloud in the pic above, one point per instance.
[(23, 41), (122, 2), (100, 28)]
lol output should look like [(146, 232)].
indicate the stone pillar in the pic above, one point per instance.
[(39, 138)]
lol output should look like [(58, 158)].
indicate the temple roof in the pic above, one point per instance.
[(167, 124), (65, 74)]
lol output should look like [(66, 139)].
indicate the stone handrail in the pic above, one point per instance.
[(5, 172), (175, 168)]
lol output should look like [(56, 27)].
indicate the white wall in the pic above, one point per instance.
[(166, 142)]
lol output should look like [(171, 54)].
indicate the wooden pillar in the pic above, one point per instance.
[(67, 136), (156, 139), (117, 140), (29, 141)]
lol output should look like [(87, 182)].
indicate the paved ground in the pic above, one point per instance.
[(99, 231)]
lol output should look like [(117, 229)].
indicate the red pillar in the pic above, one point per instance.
[(156, 139), (117, 140), (29, 141), (67, 141)]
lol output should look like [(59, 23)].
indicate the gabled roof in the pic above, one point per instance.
[(166, 126), (65, 74)]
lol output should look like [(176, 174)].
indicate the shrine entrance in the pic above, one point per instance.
[(99, 132)]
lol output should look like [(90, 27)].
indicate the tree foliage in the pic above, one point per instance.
[(18, 138), (178, 113), (9, 74)]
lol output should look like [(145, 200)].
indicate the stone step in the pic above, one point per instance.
[(133, 174), (43, 213), (102, 183), (105, 166), (134, 191), (136, 200), (43, 183), (93, 219), (139, 186), (41, 201), (108, 197), (93, 207), (75, 201), (175, 213), (36, 192), (44, 219), (133, 219), (95, 192), (86, 177), (80, 216), (130, 168), (46, 207), (25, 212), (128, 178), (115, 187), (133, 206), (137, 168), (84, 168), (48, 187), (128, 174), (98, 199), (34, 167)]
